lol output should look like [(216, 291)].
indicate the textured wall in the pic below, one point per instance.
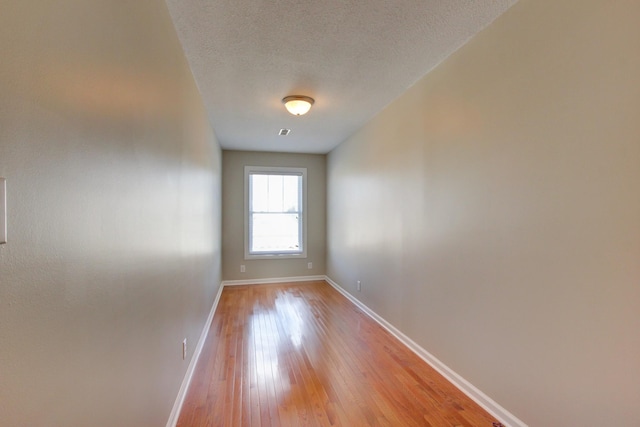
[(492, 212), (113, 177), (233, 163)]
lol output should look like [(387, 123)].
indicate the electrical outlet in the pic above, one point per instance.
[(243, 269), (359, 285), (309, 265)]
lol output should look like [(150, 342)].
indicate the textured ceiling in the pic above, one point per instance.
[(353, 56)]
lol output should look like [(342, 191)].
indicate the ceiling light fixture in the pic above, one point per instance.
[(297, 104)]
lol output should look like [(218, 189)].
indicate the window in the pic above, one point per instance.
[(275, 201)]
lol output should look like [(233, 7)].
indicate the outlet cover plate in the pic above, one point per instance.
[(3, 210)]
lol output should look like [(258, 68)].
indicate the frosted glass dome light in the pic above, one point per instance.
[(298, 104)]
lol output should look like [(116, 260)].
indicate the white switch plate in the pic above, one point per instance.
[(3, 210)]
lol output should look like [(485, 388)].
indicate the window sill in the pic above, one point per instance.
[(275, 256)]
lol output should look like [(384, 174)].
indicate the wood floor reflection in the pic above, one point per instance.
[(303, 355)]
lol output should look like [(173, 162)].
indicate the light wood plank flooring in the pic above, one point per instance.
[(303, 355)]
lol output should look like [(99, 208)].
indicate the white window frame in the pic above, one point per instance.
[(269, 170)]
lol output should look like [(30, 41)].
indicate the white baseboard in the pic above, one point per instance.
[(182, 393), (488, 404), (272, 280)]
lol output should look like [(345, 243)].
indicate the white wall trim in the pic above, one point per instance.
[(272, 280), (488, 404), (182, 393)]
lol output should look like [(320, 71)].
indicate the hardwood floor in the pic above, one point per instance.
[(301, 354)]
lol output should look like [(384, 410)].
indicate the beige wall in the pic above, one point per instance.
[(113, 177), (493, 212), (233, 163)]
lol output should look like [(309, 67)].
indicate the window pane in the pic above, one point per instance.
[(291, 193), (274, 193), (259, 192), (275, 233)]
